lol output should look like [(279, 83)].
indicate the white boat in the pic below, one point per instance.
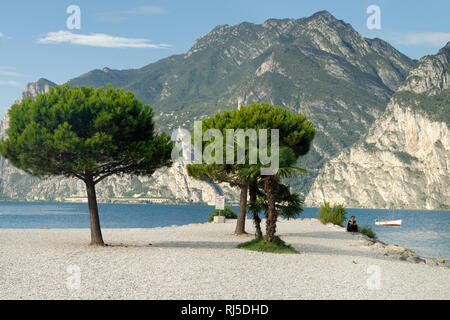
[(389, 223), (383, 222)]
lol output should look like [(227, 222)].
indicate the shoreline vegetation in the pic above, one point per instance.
[(201, 261), (338, 215), (262, 245)]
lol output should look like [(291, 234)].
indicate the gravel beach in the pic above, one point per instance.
[(200, 261)]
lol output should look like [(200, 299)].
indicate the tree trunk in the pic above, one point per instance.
[(240, 223), (96, 232), (256, 219), (270, 187)]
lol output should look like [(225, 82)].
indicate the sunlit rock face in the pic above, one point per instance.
[(406, 153)]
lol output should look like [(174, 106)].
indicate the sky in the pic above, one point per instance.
[(37, 42)]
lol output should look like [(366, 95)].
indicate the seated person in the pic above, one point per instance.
[(352, 225)]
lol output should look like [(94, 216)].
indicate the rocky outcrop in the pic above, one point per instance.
[(166, 185), (396, 252), (390, 251), (34, 88), (431, 76), (406, 154)]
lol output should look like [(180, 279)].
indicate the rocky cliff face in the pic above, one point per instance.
[(168, 185), (406, 153)]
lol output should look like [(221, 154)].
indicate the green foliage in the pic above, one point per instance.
[(287, 160), (295, 131), (84, 133), (405, 157), (288, 204), (227, 212), (262, 245), (214, 172), (371, 147), (436, 106), (418, 173), (335, 215), (367, 231)]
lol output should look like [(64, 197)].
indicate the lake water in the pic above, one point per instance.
[(426, 232)]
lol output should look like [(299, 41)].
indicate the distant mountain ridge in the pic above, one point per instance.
[(317, 65)]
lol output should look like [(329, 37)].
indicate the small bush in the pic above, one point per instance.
[(227, 212), (262, 245), (367, 231), (335, 215), (405, 157)]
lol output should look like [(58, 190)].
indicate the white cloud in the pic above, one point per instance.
[(119, 16), (10, 83), (145, 10), (97, 40), (1, 35), (111, 18), (436, 39), (9, 71)]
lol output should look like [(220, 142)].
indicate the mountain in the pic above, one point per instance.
[(405, 154), (317, 65)]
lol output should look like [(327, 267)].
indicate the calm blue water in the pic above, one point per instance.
[(426, 232)]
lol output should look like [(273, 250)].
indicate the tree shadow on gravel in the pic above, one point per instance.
[(306, 248), (326, 250), (196, 244), (339, 235)]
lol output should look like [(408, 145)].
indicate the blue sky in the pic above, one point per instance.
[(35, 41)]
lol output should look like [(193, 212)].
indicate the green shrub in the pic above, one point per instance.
[(262, 245), (371, 147), (227, 212), (335, 215), (405, 157), (367, 231), (435, 106)]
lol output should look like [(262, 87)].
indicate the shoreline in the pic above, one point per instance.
[(391, 250), (388, 249), (100, 201), (200, 261)]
